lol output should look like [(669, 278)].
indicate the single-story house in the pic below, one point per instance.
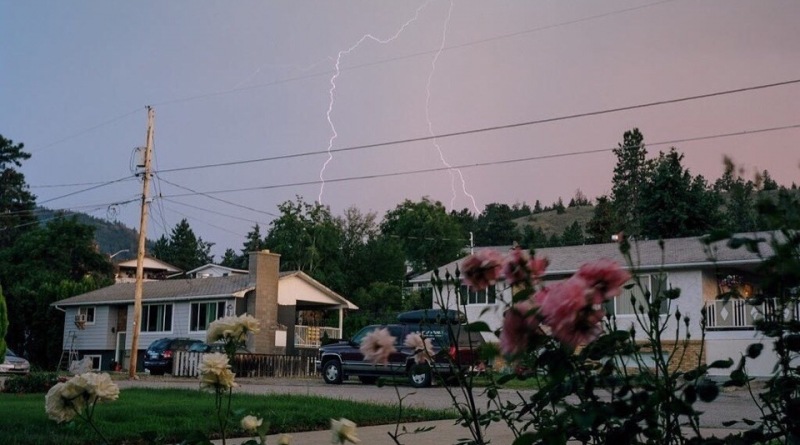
[(99, 324), (685, 265)]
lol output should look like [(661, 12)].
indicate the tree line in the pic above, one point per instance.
[(362, 257)]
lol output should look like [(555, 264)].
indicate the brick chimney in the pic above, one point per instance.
[(264, 273)]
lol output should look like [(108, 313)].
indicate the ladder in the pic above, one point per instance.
[(69, 355)]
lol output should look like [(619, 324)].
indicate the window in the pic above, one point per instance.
[(157, 318), (471, 296), (204, 313), (97, 361), (88, 312), (651, 285)]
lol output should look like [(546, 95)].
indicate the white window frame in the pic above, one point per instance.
[(95, 357), (86, 310), (145, 317), (219, 315), (647, 282), (471, 297)]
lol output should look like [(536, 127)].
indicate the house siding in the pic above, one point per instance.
[(95, 336)]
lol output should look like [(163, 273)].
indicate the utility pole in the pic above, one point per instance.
[(137, 295)]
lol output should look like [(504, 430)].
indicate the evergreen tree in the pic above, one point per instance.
[(519, 210), (184, 249), (558, 206), (3, 326), (533, 238), (629, 177), (467, 221), (673, 203), (603, 223), (767, 183), (230, 259), (573, 235), (254, 243), (495, 226), (16, 201), (537, 207)]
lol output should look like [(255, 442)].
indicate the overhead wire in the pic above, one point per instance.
[(487, 129), (214, 212), (125, 178), (485, 164), (85, 130), (409, 56), (204, 222), (194, 192)]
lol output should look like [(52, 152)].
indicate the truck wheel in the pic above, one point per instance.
[(420, 376), (332, 372)]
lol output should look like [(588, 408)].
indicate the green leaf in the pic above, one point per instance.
[(525, 439), (707, 391), (478, 326), (721, 364), (754, 350)]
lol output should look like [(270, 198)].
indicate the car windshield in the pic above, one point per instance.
[(159, 344), (10, 353)]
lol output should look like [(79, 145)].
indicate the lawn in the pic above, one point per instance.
[(172, 413)]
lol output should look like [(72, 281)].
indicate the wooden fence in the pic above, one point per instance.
[(185, 364)]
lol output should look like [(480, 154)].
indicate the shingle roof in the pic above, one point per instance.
[(196, 288), (677, 253)]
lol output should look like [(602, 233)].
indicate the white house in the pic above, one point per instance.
[(98, 323), (212, 270), (683, 264), (154, 269)]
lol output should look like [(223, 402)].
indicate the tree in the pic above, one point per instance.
[(230, 259), (519, 210), (495, 226), (537, 207), (534, 238), (44, 265), (603, 223), (308, 238), (558, 206), (467, 221), (573, 235), (767, 183), (673, 203), (3, 326), (184, 249), (253, 243), (579, 200), (738, 197), (16, 201), (629, 176), (429, 236)]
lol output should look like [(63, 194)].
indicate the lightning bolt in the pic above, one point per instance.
[(339, 56), (435, 142)]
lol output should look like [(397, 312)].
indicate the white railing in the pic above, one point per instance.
[(738, 314), (310, 336)]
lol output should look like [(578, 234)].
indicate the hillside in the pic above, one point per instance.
[(111, 237), (553, 223)]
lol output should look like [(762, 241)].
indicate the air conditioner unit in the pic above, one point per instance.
[(80, 318)]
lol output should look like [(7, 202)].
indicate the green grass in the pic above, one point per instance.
[(172, 413)]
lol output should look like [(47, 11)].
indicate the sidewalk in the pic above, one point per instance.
[(445, 432)]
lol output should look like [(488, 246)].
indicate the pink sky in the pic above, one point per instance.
[(69, 68)]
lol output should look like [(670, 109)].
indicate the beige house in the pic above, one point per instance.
[(99, 324)]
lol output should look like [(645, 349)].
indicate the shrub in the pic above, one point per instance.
[(35, 382)]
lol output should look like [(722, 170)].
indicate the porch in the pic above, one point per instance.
[(311, 336), (740, 315)]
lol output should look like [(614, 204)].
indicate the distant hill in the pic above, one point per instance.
[(111, 237), (551, 222)]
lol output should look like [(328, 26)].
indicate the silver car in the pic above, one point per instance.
[(14, 364)]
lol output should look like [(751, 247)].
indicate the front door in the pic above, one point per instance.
[(119, 356)]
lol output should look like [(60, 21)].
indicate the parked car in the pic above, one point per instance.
[(340, 360), (159, 355), (14, 364), (215, 347)]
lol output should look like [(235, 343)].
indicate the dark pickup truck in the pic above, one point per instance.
[(337, 361)]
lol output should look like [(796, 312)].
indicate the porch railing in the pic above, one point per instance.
[(310, 336), (737, 314)]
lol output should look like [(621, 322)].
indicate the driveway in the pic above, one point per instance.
[(730, 405)]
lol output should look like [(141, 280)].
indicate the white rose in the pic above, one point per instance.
[(214, 363), (343, 431), (56, 407), (101, 386), (249, 323), (250, 423)]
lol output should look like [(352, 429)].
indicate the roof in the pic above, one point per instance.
[(166, 290), (189, 288), (319, 286), (150, 263), (678, 253), (216, 266)]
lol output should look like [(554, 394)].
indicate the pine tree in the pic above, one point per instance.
[(629, 176), (16, 201)]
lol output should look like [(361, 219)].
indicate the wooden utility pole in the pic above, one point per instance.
[(137, 295)]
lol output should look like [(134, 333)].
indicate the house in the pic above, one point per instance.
[(154, 269), (212, 270), (99, 324), (685, 265)]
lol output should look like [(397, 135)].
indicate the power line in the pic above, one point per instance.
[(194, 192), (493, 128), (410, 56), (485, 164), (87, 189), (85, 130), (205, 222), (46, 210), (77, 184), (212, 211)]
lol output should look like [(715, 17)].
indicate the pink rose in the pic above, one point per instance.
[(482, 269), (520, 327), (537, 266), (515, 267), (605, 276), (568, 309)]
